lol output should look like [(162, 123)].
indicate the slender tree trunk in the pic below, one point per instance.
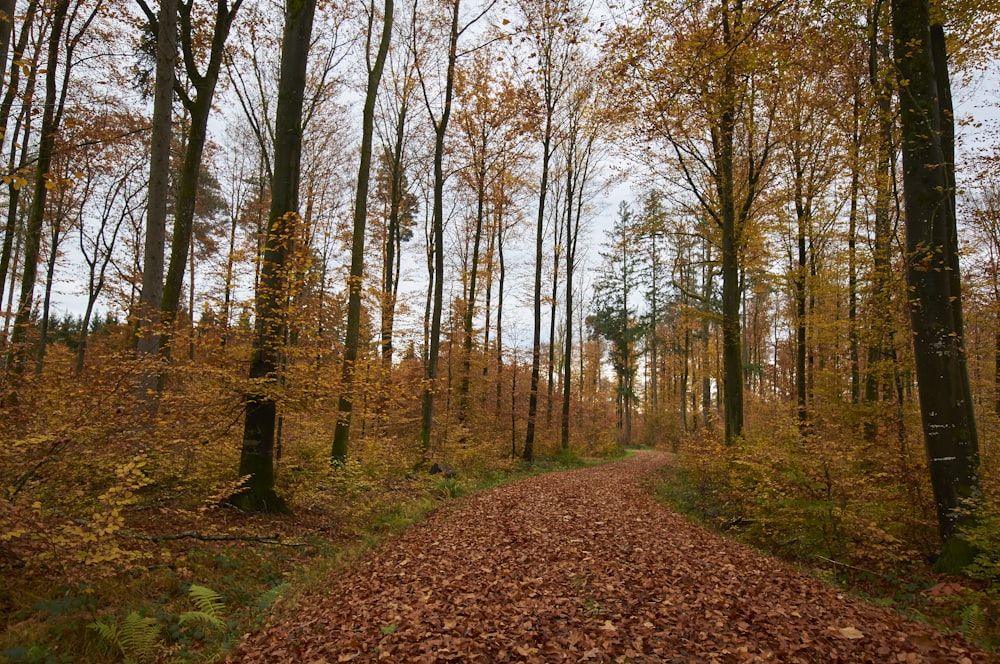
[(571, 237), (441, 127), (684, 379), (488, 298), (33, 233), (553, 302), (470, 297), (499, 336), (801, 216), (7, 8), (536, 336), (341, 436), (708, 275), (23, 119), (390, 276), (732, 355), (10, 292), (227, 301), (55, 239), (852, 254), (880, 350), (148, 315), (199, 107)]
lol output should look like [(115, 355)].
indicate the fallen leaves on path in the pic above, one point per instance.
[(582, 566)]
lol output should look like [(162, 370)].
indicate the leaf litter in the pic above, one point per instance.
[(583, 566)]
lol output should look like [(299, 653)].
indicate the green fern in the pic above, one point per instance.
[(136, 637), (973, 620), (209, 607), (268, 598)]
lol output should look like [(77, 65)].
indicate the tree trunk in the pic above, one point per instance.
[(852, 254), (148, 314), (732, 355), (257, 454), (935, 303), (390, 275), (553, 301), (51, 116), (880, 349), (536, 336), (14, 190), (55, 239), (342, 433), (440, 128), (470, 296), (200, 107)]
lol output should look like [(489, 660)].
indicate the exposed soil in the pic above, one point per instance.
[(583, 566)]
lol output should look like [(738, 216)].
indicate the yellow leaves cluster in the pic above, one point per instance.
[(94, 540)]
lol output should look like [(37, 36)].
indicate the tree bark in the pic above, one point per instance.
[(148, 312), (732, 353), (14, 191), (440, 128), (199, 107), (257, 454), (935, 303), (342, 433), (51, 116)]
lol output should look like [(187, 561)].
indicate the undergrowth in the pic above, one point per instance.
[(189, 600), (856, 514)]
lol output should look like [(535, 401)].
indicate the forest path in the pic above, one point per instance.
[(584, 566)]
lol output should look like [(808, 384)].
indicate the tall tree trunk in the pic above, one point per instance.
[(880, 350), (390, 274), (51, 116), (470, 296), (932, 275), (148, 315), (571, 236), (23, 120), (502, 266), (7, 8), (852, 252), (342, 433), (553, 302), (536, 335), (708, 277), (257, 454), (732, 355), (199, 107), (440, 128), (55, 239), (802, 213)]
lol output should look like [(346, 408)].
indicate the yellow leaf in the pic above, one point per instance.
[(850, 633)]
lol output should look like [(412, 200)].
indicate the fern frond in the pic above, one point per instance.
[(207, 600), (209, 608), (268, 597), (973, 618), (107, 632), (201, 616), (139, 638), (135, 637)]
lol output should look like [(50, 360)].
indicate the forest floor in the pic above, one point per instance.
[(584, 566)]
